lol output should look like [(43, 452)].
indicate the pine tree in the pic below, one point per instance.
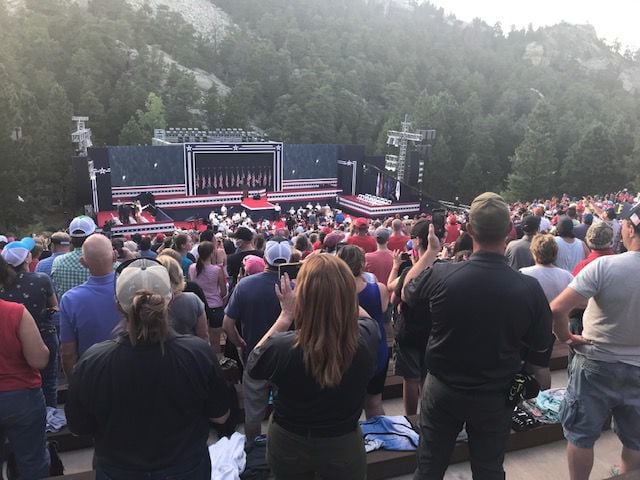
[(591, 165), (535, 165)]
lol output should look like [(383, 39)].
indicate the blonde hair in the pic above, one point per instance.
[(148, 319), (326, 318), (175, 272), (544, 248), (170, 252)]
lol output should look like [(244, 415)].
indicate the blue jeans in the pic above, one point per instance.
[(23, 419), (50, 372), (596, 390), (198, 468)]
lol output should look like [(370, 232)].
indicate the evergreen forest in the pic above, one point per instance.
[(527, 112)]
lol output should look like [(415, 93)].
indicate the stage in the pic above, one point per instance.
[(261, 204), (186, 182), (147, 225), (353, 204)]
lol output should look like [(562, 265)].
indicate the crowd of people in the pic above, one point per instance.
[(306, 305)]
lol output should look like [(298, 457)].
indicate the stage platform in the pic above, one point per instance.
[(260, 205), (356, 205), (147, 226), (180, 209)]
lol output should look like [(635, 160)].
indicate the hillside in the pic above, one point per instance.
[(319, 71)]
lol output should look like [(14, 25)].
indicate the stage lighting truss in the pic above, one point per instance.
[(195, 135)]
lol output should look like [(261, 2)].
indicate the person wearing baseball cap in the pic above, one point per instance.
[(255, 306), (35, 292), (482, 312), (518, 252), (361, 237), (3, 242), (243, 239), (116, 381), (599, 238), (60, 244), (67, 271), (609, 345), (22, 409)]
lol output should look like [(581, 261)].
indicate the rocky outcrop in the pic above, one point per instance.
[(580, 44), (203, 15)]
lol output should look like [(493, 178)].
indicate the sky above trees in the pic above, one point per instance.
[(614, 19)]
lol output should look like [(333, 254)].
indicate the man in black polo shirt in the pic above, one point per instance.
[(482, 313)]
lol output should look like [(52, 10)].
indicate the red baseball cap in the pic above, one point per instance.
[(361, 222)]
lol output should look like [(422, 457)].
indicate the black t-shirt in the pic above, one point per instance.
[(412, 325), (301, 405), (229, 247), (482, 313), (146, 409), (234, 262)]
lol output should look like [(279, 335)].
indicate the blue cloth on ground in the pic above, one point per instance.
[(389, 433), (549, 402), (56, 419)]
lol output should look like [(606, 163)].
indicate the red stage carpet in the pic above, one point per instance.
[(262, 204)]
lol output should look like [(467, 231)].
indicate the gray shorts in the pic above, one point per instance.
[(597, 389), (410, 361), (256, 398)]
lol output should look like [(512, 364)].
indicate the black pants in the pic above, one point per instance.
[(443, 413)]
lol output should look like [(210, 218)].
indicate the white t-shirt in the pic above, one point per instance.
[(545, 225), (569, 254), (611, 322), (553, 280)]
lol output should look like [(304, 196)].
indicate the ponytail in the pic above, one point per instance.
[(148, 320), (205, 249)]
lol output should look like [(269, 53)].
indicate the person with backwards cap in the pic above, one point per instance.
[(604, 378), (243, 240), (35, 292), (23, 417), (256, 307), (67, 271), (60, 244), (147, 397)]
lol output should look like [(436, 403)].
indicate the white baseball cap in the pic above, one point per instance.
[(82, 226), (142, 274)]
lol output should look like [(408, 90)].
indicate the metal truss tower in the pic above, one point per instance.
[(400, 139)]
